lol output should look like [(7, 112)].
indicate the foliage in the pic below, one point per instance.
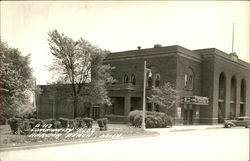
[(79, 63), (14, 123), (64, 122), (16, 80), (102, 123), (152, 119), (165, 96), (22, 125), (88, 122)]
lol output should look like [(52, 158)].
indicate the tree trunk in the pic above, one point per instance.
[(75, 106)]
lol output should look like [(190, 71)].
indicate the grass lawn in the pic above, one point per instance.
[(7, 139)]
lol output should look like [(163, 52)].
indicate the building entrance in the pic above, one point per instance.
[(188, 117)]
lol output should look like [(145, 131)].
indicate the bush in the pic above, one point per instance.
[(50, 122), (81, 123), (14, 124), (88, 122), (2, 120), (25, 127), (64, 122), (137, 120), (58, 124), (102, 123), (152, 119), (132, 115), (32, 122), (72, 123)]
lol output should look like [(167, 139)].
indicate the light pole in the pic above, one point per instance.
[(145, 71)]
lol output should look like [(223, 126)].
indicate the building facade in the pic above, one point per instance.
[(212, 85)]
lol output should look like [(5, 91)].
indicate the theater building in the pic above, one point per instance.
[(212, 85)]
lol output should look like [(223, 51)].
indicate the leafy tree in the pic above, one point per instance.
[(16, 80), (165, 96), (79, 63)]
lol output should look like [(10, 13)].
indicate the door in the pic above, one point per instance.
[(188, 117)]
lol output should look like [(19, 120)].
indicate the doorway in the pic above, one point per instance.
[(188, 116)]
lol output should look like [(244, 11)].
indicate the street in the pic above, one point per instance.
[(210, 144)]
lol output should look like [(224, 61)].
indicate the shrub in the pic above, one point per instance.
[(137, 120), (72, 123), (14, 124), (132, 115), (88, 122), (32, 122), (25, 127), (152, 119), (102, 123), (2, 120), (50, 122), (58, 124), (81, 123), (64, 122)]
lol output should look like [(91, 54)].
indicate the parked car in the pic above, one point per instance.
[(240, 121)]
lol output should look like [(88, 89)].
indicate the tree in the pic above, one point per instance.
[(165, 96), (79, 63), (16, 80)]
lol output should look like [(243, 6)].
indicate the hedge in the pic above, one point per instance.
[(24, 125), (102, 123), (152, 119)]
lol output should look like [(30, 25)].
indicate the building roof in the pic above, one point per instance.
[(176, 49)]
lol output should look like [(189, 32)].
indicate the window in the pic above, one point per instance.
[(133, 80), (125, 78), (189, 79), (157, 80), (186, 78)]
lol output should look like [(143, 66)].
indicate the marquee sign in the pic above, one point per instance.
[(197, 100)]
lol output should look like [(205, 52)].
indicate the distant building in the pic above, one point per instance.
[(212, 84)]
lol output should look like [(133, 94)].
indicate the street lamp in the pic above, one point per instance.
[(145, 71)]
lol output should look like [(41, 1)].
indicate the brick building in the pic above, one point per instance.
[(213, 85)]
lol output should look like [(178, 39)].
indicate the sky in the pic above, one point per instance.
[(124, 25)]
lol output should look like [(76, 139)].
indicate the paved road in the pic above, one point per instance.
[(213, 144)]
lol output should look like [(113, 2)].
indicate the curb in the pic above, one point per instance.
[(177, 130), (27, 147)]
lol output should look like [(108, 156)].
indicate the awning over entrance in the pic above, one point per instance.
[(196, 100)]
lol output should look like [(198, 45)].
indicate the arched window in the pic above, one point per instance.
[(189, 79), (233, 98), (125, 78), (221, 96), (133, 80), (242, 97), (157, 80), (185, 79)]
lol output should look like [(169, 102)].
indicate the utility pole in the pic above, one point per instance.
[(233, 39), (145, 72), (144, 96)]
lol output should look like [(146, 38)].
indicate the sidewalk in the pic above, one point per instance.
[(179, 128)]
